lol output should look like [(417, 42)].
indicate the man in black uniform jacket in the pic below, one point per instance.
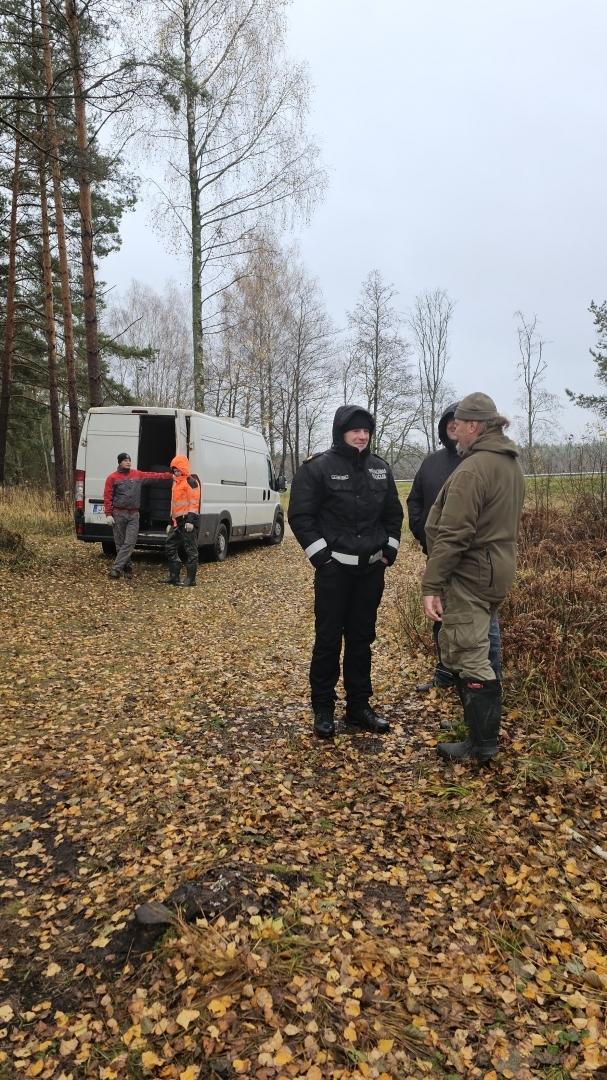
[(347, 516)]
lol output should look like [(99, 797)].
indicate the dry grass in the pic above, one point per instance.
[(32, 512), (553, 622)]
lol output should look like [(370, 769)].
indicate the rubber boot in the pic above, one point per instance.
[(174, 571), (483, 714), (190, 577)]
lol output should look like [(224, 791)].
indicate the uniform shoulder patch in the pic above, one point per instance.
[(313, 456)]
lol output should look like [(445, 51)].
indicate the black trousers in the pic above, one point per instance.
[(345, 607), (178, 536)]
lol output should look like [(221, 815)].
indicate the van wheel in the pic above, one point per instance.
[(109, 547), (218, 551), (278, 532)]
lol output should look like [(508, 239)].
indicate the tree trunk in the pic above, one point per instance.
[(86, 213), (49, 316), (64, 277), (190, 99), (9, 337)]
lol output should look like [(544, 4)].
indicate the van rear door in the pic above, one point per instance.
[(224, 474), (108, 434)]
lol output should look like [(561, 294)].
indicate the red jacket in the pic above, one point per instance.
[(123, 489)]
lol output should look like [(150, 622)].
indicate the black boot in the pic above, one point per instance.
[(190, 577), (483, 714), (365, 719), (324, 723), (173, 578), (128, 572)]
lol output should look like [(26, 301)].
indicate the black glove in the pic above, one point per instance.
[(389, 553), (319, 558)]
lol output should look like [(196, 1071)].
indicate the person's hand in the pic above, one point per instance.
[(168, 529), (433, 608), (109, 519), (385, 561), (188, 526)]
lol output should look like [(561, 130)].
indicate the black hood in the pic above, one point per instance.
[(343, 414), (442, 426)]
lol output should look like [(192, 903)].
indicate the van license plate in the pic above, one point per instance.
[(98, 509)]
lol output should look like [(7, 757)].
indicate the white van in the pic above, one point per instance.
[(240, 492)]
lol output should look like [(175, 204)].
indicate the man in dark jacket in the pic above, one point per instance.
[(121, 502), (429, 479), (347, 516), (433, 472)]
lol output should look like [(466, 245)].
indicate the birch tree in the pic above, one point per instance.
[(540, 408), (380, 369), (429, 320), (229, 116)]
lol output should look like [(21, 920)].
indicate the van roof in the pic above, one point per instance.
[(152, 410)]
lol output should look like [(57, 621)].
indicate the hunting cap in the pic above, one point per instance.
[(476, 407)]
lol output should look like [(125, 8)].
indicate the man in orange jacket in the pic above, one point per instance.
[(185, 514)]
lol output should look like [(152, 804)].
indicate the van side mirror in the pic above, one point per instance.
[(282, 483)]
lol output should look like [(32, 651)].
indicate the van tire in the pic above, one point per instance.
[(217, 552), (278, 531), (109, 547)]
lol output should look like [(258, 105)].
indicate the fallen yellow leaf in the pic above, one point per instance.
[(241, 1066), (385, 1045), (67, 1047), (283, 1056), (6, 1013), (191, 1073), (52, 969), (350, 1033), (352, 1007), (150, 1059), (36, 1067), (468, 980), (187, 1016)]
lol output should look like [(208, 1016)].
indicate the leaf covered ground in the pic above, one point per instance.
[(355, 910)]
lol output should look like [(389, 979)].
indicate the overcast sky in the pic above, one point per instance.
[(466, 146)]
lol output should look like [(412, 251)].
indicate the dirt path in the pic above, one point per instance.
[(361, 909)]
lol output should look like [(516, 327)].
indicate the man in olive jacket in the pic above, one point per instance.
[(472, 533)]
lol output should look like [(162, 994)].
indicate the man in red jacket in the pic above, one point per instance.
[(122, 499)]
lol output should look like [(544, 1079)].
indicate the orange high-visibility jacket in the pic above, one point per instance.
[(185, 499)]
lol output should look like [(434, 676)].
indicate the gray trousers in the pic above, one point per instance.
[(126, 531)]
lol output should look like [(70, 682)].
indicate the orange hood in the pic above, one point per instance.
[(181, 462)]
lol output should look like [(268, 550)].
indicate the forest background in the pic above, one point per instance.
[(203, 105)]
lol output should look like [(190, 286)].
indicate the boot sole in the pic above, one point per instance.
[(351, 725), (468, 757)]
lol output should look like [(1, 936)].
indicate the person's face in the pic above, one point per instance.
[(125, 463), (176, 472), (466, 432), (452, 430), (358, 437)]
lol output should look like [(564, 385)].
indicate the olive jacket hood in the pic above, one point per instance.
[(472, 528)]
